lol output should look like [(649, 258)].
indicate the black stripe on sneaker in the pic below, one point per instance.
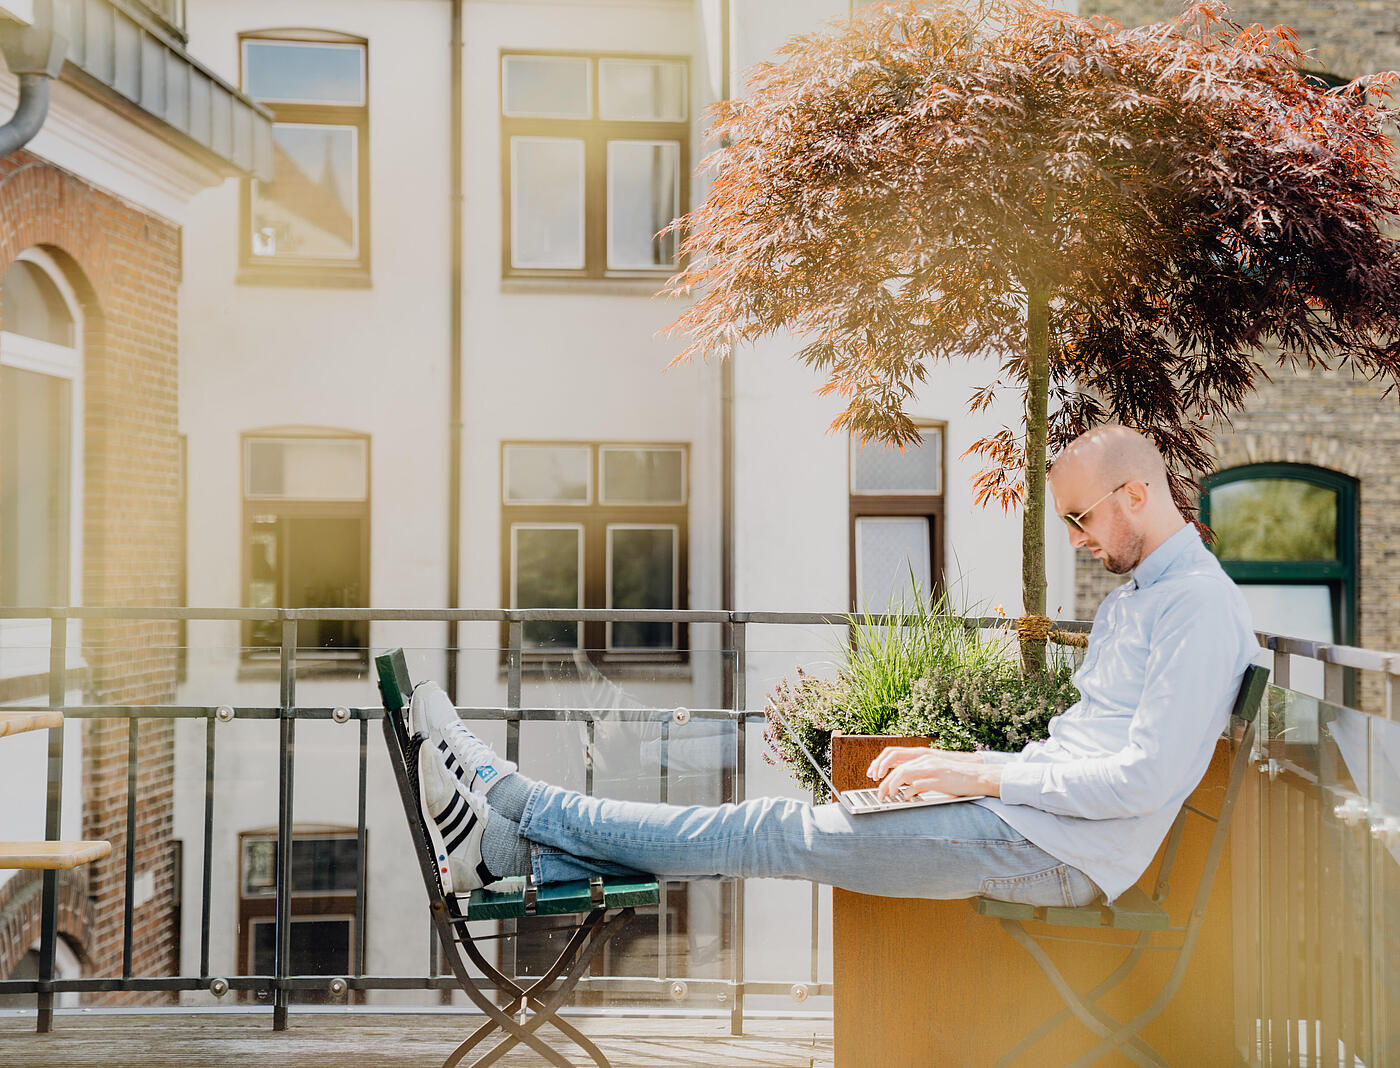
[(462, 836), (462, 812), (484, 874)]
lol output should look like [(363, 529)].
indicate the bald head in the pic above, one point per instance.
[(1116, 480), (1113, 454)]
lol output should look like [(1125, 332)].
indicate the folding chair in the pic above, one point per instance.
[(606, 905), (1135, 910)]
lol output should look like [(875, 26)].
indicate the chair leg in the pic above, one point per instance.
[(585, 944), (1094, 1018), (1107, 984), (496, 1019)]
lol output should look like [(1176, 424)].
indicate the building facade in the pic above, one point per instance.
[(90, 454)]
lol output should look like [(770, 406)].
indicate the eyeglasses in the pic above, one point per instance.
[(1077, 521)]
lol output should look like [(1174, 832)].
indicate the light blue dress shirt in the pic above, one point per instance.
[(1166, 656)]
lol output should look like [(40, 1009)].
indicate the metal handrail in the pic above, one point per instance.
[(287, 712)]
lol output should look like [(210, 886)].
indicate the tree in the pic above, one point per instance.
[(1131, 221)]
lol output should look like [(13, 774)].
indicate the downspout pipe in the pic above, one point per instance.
[(454, 356), (34, 54)]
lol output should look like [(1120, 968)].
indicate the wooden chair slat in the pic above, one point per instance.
[(51, 856)]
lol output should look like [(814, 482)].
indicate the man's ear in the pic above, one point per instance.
[(1136, 492)]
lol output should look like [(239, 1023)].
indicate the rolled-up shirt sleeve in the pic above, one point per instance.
[(1191, 676)]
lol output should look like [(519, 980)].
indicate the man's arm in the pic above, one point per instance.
[(1191, 676)]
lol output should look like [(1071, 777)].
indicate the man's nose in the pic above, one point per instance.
[(1077, 537)]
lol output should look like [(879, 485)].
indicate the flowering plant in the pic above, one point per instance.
[(919, 671)]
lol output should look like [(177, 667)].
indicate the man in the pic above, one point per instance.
[(1064, 820)]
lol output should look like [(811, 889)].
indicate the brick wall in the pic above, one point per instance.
[(1327, 419), (125, 267), (1344, 37)]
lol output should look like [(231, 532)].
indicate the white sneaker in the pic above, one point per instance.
[(456, 820), (475, 764)]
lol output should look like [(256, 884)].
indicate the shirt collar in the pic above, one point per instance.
[(1159, 559)]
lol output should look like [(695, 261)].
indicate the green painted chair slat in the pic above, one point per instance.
[(562, 899), (496, 905), (1133, 911), (1004, 910), (635, 894)]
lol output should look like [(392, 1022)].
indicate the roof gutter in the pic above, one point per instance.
[(35, 55)]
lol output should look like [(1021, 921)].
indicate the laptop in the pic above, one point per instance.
[(860, 802)]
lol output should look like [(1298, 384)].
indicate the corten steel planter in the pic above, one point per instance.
[(921, 983)]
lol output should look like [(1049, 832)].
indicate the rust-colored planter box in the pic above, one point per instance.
[(928, 984)]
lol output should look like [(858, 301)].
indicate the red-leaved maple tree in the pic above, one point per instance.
[(1131, 223)]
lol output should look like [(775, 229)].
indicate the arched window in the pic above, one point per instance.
[(40, 433), (1287, 534)]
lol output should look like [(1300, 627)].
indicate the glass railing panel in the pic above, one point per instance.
[(1383, 802), (1316, 939)]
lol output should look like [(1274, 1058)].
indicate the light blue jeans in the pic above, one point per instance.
[(943, 851)]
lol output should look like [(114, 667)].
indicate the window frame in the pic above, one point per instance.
[(1339, 576), (595, 132), (279, 271), (594, 519), (306, 905), (294, 508), (901, 506), (24, 642)]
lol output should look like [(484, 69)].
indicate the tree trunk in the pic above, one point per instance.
[(1037, 414)]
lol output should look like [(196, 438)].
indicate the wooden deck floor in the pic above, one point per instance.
[(391, 1041)]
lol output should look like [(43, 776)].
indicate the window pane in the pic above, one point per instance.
[(546, 202), (307, 469), (538, 473), (643, 198), (31, 305), (308, 562), (310, 209), (1274, 519), (642, 574), (1296, 612), (319, 865), (264, 570), (552, 87), (325, 565), (304, 72), (878, 470), (546, 571), (643, 476), (318, 947), (641, 89), (888, 551), (325, 865), (35, 443)]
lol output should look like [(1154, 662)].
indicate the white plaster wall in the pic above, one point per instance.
[(559, 362), (370, 360)]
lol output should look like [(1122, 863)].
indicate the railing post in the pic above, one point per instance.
[(736, 1011), (128, 896), (286, 764), (515, 640), (53, 820)]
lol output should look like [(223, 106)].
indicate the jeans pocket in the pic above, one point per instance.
[(1047, 887)]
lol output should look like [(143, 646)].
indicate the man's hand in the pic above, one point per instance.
[(959, 774), (894, 755)]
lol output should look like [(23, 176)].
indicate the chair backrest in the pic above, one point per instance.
[(1243, 715), (394, 683)]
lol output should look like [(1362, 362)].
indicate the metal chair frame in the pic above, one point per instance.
[(1135, 910), (530, 1006)]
